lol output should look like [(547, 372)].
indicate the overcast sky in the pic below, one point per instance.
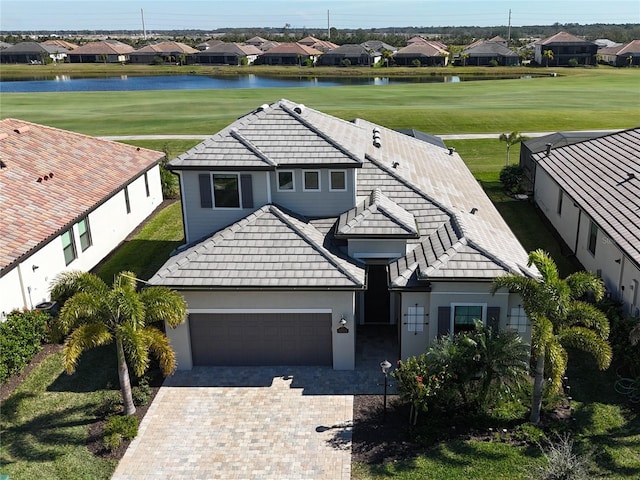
[(212, 14)]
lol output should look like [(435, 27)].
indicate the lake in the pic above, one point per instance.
[(65, 83)]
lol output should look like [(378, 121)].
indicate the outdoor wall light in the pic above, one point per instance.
[(34, 267), (343, 321)]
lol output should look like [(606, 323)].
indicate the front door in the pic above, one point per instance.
[(377, 299)]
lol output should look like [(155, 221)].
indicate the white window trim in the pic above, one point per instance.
[(304, 181), (213, 190), (331, 189), (293, 180), (471, 304)]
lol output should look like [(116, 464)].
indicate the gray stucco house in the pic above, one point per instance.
[(301, 229)]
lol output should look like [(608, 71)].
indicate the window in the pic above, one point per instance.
[(311, 181), (285, 181), (68, 247), (415, 319), (593, 237), (226, 190), (465, 315), (338, 180), (559, 209), (146, 184), (518, 320), (126, 199), (85, 233)]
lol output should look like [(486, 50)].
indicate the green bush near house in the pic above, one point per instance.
[(21, 337), (118, 429)]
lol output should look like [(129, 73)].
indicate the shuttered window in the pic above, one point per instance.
[(206, 200)]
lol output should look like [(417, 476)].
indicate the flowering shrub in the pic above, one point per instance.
[(21, 337)]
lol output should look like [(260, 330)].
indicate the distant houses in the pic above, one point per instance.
[(559, 50)]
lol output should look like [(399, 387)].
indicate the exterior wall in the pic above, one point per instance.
[(201, 222), (338, 303), (618, 272), (414, 343), (109, 225), (362, 248), (323, 203)]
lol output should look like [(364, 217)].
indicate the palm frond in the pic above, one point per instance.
[(125, 280), (83, 338), (67, 284), (136, 347), (81, 308), (556, 364), (545, 265), (587, 315), (125, 306), (161, 347), (583, 282), (588, 341), (164, 305)]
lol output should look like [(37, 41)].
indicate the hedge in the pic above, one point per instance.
[(21, 337)]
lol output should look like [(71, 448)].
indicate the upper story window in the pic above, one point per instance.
[(285, 181), (69, 247), (311, 180), (337, 180), (226, 190), (85, 233), (464, 316), (593, 238)]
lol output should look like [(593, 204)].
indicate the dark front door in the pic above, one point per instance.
[(377, 298)]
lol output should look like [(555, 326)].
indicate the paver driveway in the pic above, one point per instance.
[(246, 423)]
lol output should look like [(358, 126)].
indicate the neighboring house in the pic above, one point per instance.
[(485, 53), (349, 54), (289, 54), (104, 51), (228, 54), (60, 44), (164, 52), (301, 226), (378, 46), (566, 47), (32, 53), (4, 45), (427, 53), (322, 45), (257, 42), (67, 200), (208, 44), (590, 193), (535, 145), (626, 55)]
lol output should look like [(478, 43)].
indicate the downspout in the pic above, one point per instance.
[(620, 286), (575, 249), (22, 289)]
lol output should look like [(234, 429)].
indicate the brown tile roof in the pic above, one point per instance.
[(632, 47), (292, 49), (426, 49), (167, 47), (104, 47), (562, 37), (60, 43), (76, 172)]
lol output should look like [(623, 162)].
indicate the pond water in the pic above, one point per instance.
[(65, 83)]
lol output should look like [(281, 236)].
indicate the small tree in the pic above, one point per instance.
[(169, 182), (511, 178), (416, 62), (511, 139), (464, 57), (573, 62), (548, 56)]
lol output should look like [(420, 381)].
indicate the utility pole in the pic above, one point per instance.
[(509, 34), (144, 31), (328, 27)]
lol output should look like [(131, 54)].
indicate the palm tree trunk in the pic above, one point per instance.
[(125, 382), (536, 401)]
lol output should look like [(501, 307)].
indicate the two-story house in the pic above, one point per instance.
[(301, 226)]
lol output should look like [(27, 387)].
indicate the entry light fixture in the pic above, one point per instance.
[(343, 321)]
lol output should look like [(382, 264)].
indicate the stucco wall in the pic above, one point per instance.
[(338, 303)]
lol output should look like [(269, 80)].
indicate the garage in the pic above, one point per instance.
[(253, 339)]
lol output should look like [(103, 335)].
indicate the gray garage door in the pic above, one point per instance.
[(261, 339)]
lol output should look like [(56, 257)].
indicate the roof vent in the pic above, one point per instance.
[(451, 150), (299, 108), (631, 176), (2, 164), (548, 149), (262, 107), (395, 164), (23, 129), (473, 211)]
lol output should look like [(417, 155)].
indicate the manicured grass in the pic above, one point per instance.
[(149, 249), (45, 422), (598, 98)]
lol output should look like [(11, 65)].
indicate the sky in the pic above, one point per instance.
[(30, 15)]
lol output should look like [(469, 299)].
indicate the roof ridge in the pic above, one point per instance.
[(319, 132), (329, 256), (242, 139)]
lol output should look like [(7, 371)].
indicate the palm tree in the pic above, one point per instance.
[(464, 57), (548, 55), (559, 319), (511, 139), (98, 315)]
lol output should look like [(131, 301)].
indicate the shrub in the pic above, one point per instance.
[(625, 356), (118, 429), (346, 62), (562, 463), (417, 382), (169, 182), (21, 337), (511, 178), (110, 405), (493, 63), (142, 392), (573, 62), (416, 63)]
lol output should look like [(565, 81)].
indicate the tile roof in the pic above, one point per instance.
[(292, 49), (349, 49), (60, 43), (104, 47), (27, 47), (560, 139), (166, 47), (377, 217), (563, 37), (76, 173), (231, 49), (270, 248), (490, 49), (425, 49), (602, 176), (272, 136)]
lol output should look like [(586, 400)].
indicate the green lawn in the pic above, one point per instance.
[(587, 99)]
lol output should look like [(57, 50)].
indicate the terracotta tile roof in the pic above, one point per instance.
[(60, 43), (563, 37), (167, 47), (426, 49), (292, 49), (104, 47), (76, 173)]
